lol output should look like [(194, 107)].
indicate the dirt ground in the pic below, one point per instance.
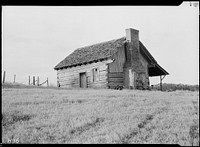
[(37, 115)]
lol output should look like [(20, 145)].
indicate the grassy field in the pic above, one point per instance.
[(34, 115)]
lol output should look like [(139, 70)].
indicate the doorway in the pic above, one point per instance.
[(83, 81), (132, 78)]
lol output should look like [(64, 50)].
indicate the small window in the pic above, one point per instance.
[(95, 72)]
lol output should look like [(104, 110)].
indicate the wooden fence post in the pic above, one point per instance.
[(14, 78), (38, 81), (33, 80), (47, 83), (29, 80), (4, 76)]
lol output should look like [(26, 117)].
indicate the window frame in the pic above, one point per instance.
[(95, 74)]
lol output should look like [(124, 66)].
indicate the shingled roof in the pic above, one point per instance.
[(91, 53), (105, 50)]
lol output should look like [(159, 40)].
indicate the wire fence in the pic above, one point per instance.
[(31, 80)]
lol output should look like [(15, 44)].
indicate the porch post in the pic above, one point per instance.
[(161, 78), (160, 83)]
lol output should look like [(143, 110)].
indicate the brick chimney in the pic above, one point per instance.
[(132, 35), (133, 69), (132, 48)]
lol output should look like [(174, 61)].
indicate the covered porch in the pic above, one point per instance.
[(157, 70)]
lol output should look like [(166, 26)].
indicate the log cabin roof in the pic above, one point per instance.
[(91, 53), (105, 50)]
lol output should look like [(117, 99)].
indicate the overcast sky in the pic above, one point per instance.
[(36, 38)]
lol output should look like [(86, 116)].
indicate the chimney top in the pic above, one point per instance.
[(132, 34), (132, 29)]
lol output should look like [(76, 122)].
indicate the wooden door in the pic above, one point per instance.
[(83, 81)]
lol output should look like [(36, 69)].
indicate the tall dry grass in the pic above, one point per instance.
[(99, 116)]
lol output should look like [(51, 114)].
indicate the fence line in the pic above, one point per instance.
[(45, 82), (38, 83), (34, 80)]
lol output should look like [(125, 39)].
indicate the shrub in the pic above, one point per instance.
[(174, 87)]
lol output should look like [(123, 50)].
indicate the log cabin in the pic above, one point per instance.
[(123, 62)]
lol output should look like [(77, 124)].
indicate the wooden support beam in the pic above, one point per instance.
[(29, 80), (47, 83), (38, 81), (4, 76), (161, 83), (33, 80), (14, 78), (161, 78)]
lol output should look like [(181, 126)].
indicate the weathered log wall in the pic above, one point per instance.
[(119, 60), (115, 74), (115, 79), (69, 77)]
